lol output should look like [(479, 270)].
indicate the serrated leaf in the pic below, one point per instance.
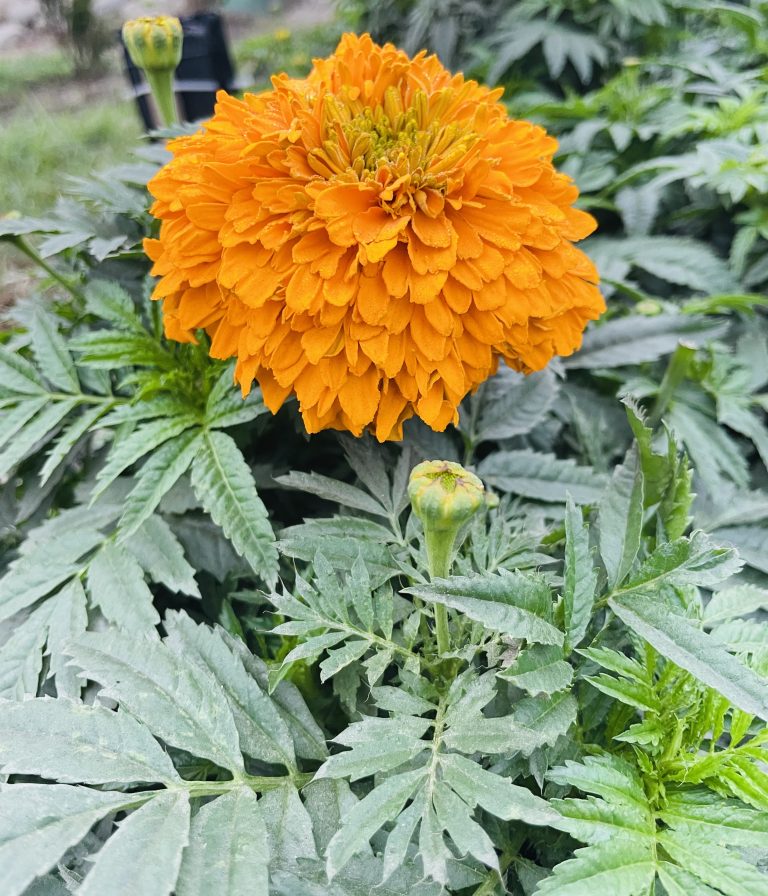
[(750, 541), (223, 482), (159, 552), (156, 477), (39, 822), (542, 477), (692, 649), (579, 576), (46, 566), (69, 619), (539, 670), (70, 436), (695, 560), (497, 795), (73, 743), (496, 601), (703, 814), (604, 870), (714, 865), (513, 404), (21, 656), (333, 490), (227, 853), (50, 349), (366, 817), (144, 854), (621, 518), (177, 700), (39, 429), (116, 584), (18, 375), (263, 733), (145, 438), (289, 827), (635, 339), (730, 603)]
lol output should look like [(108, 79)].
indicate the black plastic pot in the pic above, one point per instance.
[(205, 67)]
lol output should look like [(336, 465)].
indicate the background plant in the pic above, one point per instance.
[(259, 622)]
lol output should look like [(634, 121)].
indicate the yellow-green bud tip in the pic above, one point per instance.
[(443, 494), (154, 42)]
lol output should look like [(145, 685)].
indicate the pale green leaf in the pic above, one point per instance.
[(621, 518), (50, 349), (21, 656), (540, 669), (156, 477), (227, 853), (627, 867), (692, 649), (223, 482), (39, 429), (179, 701), (39, 822), (73, 743), (543, 477), (159, 552), (579, 576), (69, 619), (144, 854), (116, 585)]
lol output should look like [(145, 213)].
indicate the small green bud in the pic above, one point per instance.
[(649, 307), (444, 495), (154, 42)]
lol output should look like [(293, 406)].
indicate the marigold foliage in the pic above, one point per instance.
[(373, 239)]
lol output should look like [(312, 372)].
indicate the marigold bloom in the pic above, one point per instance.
[(372, 238)]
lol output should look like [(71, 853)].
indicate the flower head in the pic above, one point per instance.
[(444, 495), (372, 239)]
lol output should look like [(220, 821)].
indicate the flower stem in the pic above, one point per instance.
[(161, 84), (675, 373), (439, 546)]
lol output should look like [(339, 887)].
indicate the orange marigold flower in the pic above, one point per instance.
[(372, 238)]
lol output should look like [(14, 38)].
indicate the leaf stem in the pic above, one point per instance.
[(35, 256)]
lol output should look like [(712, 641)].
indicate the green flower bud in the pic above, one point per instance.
[(154, 45), (154, 42), (444, 495)]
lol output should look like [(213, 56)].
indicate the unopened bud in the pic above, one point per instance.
[(154, 42), (444, 495)]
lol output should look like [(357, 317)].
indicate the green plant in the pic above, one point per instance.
[(228, 662)]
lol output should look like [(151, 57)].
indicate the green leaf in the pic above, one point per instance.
[(70, 436), (635, 339), (223, 482), (513, 404), (539, 670), (53, 357), (579, 576), (144, 855), (263, 733), (333, 490), (44, 567), (227, 853), (621, 518), (179, 701), (543, 477), (497, 795), (289, 827), (21, 656), (145, 438), (39, 822), (111, 302), (366, 817), (156, 477), (714, 865), (73, 743), (18, 375), (692, 649), (40, 428), (750, 541), (160, 554), (116, 584), (607, 869), (499, 602), (227, 407), (686, 561), (704, 814), (69, 619), (730, 603)]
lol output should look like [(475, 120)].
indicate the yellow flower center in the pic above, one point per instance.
[(410, 147)]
